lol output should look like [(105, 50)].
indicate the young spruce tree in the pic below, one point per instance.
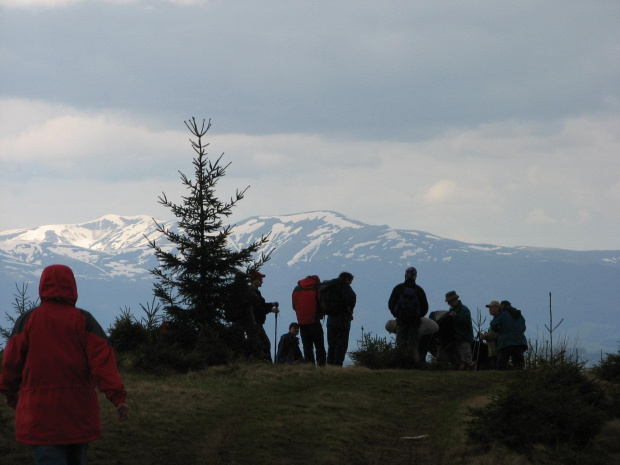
[(194, 277)]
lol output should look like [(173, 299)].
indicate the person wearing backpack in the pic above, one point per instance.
[(309, 315), (510, 325), (408, 304), (338, 300), (238, 311)]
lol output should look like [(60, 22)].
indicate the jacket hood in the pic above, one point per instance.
[(516, 314), (58, 283), (309, 283)]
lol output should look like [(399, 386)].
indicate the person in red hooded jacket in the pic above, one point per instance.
[(55, 357), (306, 306)]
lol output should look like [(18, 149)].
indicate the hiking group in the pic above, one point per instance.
[(443, 332), (312, 300), (451, 332)]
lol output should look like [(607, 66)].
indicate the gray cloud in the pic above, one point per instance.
[(389, 70), (478, 121)]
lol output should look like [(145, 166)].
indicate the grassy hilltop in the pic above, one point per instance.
[(268, 414)]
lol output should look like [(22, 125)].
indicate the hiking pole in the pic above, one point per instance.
[(477, 345), (275, 341)]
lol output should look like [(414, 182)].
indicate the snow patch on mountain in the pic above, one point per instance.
[(111, 259)]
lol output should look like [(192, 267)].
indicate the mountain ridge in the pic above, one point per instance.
[(112, 262)]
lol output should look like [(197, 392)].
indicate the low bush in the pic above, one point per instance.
[(609, 368), (553, 405), (150, 345), (374, 352), (127, 333)]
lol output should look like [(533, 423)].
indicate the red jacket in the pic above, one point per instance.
[(55, 357), (305, 300)]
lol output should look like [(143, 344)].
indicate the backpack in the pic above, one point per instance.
[(237, 302), (330, 297), (233, 313), (407, 308)]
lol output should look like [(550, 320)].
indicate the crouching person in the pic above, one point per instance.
[(55, 357), (288, 347), (427, 331)]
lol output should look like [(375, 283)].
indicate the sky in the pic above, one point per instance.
[(483, 121)]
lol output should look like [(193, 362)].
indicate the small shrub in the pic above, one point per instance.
[(612, 391), (374, 353), (180, 349), (126, 333), (609, 368), (555, 404), (21, 304)]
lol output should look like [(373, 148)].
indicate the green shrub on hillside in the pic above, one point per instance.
[(374, 352), (127, 333), (609, 368), (554, 405), (150, 346)]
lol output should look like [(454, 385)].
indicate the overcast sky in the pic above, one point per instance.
[(483, 121)]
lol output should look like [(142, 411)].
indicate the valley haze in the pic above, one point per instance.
[(111, 260)]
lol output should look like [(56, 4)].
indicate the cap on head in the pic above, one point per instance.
[(494, 303), (450, 296), (411, 273), (256, 275)]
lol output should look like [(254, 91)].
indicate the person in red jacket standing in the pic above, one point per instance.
[(305, 304), (57, 354)]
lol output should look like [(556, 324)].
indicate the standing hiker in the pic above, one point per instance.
[(510, 325), (491, 336), (261, 309), (57, 354), (240, 313), (408, 304), (309, 315), (338, 300), (463, 331)]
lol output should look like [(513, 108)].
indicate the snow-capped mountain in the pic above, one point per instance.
[(111, 259)]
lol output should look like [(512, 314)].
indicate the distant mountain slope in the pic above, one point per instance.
[(111, 259)]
